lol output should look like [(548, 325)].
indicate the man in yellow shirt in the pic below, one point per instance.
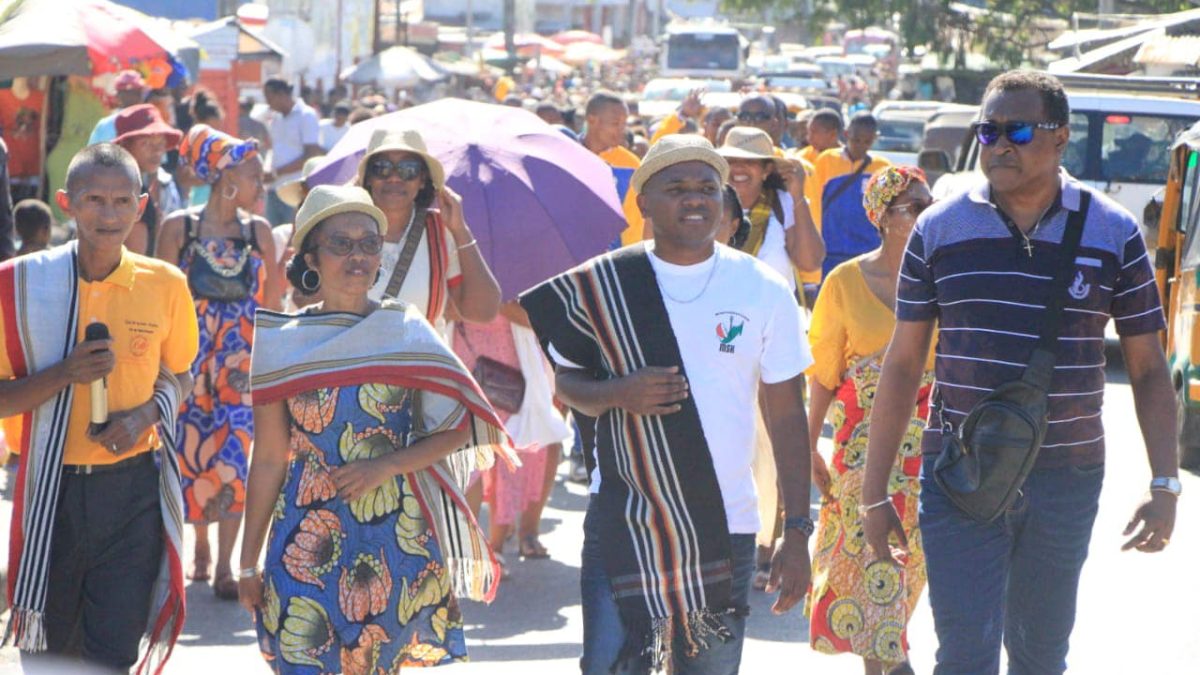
[(95, 522), (839, 175), (824, 133), (605, 136)]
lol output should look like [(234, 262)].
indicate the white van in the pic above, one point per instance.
[(1120, 143)]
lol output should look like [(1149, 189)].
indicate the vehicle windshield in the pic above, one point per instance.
[(1137, 148), (705, 51), (899, 135), (677, 90)]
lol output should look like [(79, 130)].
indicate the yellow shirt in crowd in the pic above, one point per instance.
[(150, 314), (849, 322), (623, 163)]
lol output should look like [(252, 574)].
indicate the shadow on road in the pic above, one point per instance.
[(213, 622)]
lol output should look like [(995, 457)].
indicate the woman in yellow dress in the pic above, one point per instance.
[(859, 605)]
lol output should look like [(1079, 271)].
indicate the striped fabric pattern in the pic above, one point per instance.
[(663, 517), (966, 267), (395, 345)]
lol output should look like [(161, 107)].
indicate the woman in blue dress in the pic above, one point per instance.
[(368, 428)]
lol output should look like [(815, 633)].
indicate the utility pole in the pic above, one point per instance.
[(470, 50), (510, 24)]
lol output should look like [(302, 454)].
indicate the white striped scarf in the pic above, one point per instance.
[(394, 345), (34, 292)]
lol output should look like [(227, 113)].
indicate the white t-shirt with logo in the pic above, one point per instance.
[(745, 328)]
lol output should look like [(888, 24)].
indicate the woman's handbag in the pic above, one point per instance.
[(209, 279), (984, 463), (503, 385)]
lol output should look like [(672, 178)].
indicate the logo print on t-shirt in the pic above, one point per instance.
[(1079, 290), (729, 327)]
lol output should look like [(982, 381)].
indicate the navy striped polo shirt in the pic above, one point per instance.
[(969, 269)]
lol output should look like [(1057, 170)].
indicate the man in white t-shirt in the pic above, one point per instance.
[(332, 130), (668, 345), (295, 136)]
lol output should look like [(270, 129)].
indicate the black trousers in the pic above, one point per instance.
[(105, 554)]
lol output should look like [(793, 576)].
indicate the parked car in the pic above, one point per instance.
[(946, 137), (1178, 275), (661, 96), (1120, 144)]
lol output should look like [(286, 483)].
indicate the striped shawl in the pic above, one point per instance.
[(666, 540), (394, 345)]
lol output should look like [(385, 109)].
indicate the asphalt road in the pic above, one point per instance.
[(1137, 613)]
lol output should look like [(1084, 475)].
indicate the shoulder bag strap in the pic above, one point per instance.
[(1041, 363), (404, 262), (846, 183)]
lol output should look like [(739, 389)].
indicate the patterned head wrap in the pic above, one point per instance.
[(209, 152), (883, 188)]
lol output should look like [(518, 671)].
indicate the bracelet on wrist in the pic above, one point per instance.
[(469, 244), (802, 523), (249, 572), (865, 509)]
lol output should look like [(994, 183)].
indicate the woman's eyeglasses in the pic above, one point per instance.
[(341, 246), (406, 169), (913, 209), (1018, 133), (755, 116)]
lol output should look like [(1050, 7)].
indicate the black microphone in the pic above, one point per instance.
[(99, 388)]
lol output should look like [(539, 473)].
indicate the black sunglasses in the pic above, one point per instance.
[(1018, 133), (406, 169), (341, 246), (755, 116)]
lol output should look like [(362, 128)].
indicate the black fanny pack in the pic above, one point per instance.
[(984, 463), (210, 279)]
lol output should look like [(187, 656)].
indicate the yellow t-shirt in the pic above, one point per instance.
[(670, 125), (829, 165), (623, 163), (150, 314), (809, 154), (848, 323)]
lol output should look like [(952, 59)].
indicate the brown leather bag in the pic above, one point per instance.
[(503, 385)]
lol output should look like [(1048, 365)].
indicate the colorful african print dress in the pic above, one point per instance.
[(857, 604), (217, 423), (369, 586), (356, 587)]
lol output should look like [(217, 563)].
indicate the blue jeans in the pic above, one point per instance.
[(604, 634), (1013, 581), (278, 212)]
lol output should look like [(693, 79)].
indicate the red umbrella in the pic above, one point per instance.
[(81, 37)]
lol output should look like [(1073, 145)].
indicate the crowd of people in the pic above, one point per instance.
[(332, 372)]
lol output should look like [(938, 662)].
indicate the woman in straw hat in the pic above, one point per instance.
[(227, 254), (858, 605), (430, 257), (362, 415)]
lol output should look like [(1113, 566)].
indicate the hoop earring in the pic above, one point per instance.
[(225, 193), (310, 284)]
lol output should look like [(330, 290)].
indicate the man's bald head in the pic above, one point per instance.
[(101, 156)]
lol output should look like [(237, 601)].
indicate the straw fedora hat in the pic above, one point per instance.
[(324, 201), (292, 192), (749, 143), (394, 139), (677, 149)]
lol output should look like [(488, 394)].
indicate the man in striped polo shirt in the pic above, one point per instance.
[(979, 268)]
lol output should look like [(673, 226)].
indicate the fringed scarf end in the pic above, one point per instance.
[(26, 630), (475, 579)]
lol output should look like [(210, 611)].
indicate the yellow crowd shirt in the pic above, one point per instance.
[(849, 322), (149, 312), (623, 163)]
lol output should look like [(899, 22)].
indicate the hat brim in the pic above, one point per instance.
[(437, 173), (738, 153), (291, 193), (301, 230), (157, 129)]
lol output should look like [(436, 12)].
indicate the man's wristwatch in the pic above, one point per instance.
[(1168, 484), (802, 523)]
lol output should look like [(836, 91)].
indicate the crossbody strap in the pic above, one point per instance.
[(837, 192), (404, 262), (1041, 363)]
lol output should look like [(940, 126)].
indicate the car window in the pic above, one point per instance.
[(1137, 148), (899, 135), (1189, 209), (1075, 156)]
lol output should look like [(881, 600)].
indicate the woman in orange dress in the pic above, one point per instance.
[(856, 604)]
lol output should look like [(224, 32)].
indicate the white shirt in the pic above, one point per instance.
[(745, 328), (415, 290), (289, 134), (774, 247), (330, 134)]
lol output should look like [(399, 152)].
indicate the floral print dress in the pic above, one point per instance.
[(216, 426), (356, 587)]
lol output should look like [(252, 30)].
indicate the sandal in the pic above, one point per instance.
[(532, 549), (200, 569), (225, 587), (762, 576)]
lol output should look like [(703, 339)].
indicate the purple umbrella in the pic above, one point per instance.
[(538, 203)]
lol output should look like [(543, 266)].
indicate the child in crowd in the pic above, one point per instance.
[(33, 222)]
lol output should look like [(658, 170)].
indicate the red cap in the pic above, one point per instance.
[(129, 79), (144, 120)]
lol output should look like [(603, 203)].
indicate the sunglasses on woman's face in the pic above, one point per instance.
[(341, 246), (1018, 133), (406, 169), (912, 209), (755, 116)]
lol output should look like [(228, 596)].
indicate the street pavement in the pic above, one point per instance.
[(1137, 613)]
